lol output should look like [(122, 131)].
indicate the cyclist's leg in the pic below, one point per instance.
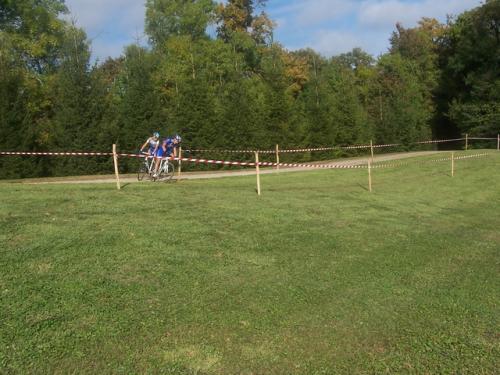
[(158, 158), (147, 162), (157, 165)]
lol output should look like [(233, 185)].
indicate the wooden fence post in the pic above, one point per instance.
[(278, 157), (115, 160), (466, 142), (257, 171), (452, 164), (371, 148), (369, 175), (498, 142), (180, 164)]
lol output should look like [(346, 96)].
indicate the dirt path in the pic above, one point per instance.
[(216, 174)]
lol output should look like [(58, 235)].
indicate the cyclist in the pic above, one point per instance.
[(153, 143), (176, 142), (167, 149)]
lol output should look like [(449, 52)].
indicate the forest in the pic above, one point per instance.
[(214, 73)]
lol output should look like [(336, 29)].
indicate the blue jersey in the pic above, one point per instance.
[(168, 143)]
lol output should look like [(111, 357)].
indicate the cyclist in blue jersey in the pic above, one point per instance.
[(173, 146), (167, 149)]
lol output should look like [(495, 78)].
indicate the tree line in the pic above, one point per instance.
[(235, 86)]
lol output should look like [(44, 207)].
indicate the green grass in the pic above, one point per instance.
[(316, 276)]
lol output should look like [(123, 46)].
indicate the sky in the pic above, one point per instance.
[(330, 27)]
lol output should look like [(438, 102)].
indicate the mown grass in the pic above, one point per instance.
[(317, 276)]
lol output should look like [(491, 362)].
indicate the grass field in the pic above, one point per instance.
[(317, 276)]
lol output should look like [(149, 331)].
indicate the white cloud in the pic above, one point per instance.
[(306, 13), (331, 42), (110, 24), (383, 14), (98, 14), (333, 27)]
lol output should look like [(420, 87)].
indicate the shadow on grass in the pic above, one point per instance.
[(365, 188)]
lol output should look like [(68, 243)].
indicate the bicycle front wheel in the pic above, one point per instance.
[(142, 172), (166, 172)]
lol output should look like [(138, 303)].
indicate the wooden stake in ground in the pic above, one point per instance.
[(115, 160), (257, 170), (452, 164), (180, 164), (498, 142), (369, 175), (466, 142), (371, 148), (278, 157)]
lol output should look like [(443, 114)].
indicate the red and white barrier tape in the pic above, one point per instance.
[(439, 141), (354, 147), (309, 149), (485, 139), (315, 166), (15, 153), (215, 162), (369, 146), (400, 164), (189, 160), (253, 164), (344, 165), (230, 151), (382, 146), (472, 156), (339, 148), (292, 150)]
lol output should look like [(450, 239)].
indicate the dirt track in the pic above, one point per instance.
[(216, 174)]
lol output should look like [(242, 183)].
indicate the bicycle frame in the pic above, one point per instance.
[(164, 164), (149, 162)]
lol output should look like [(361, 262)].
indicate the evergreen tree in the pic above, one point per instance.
[(139, 111), (469, 95), (400, 105)]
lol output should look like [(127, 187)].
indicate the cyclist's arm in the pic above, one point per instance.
[(144, 145)]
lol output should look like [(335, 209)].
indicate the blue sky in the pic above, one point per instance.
[(328, 26)]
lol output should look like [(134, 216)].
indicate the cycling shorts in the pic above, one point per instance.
[(164, 154), (160, 153)]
